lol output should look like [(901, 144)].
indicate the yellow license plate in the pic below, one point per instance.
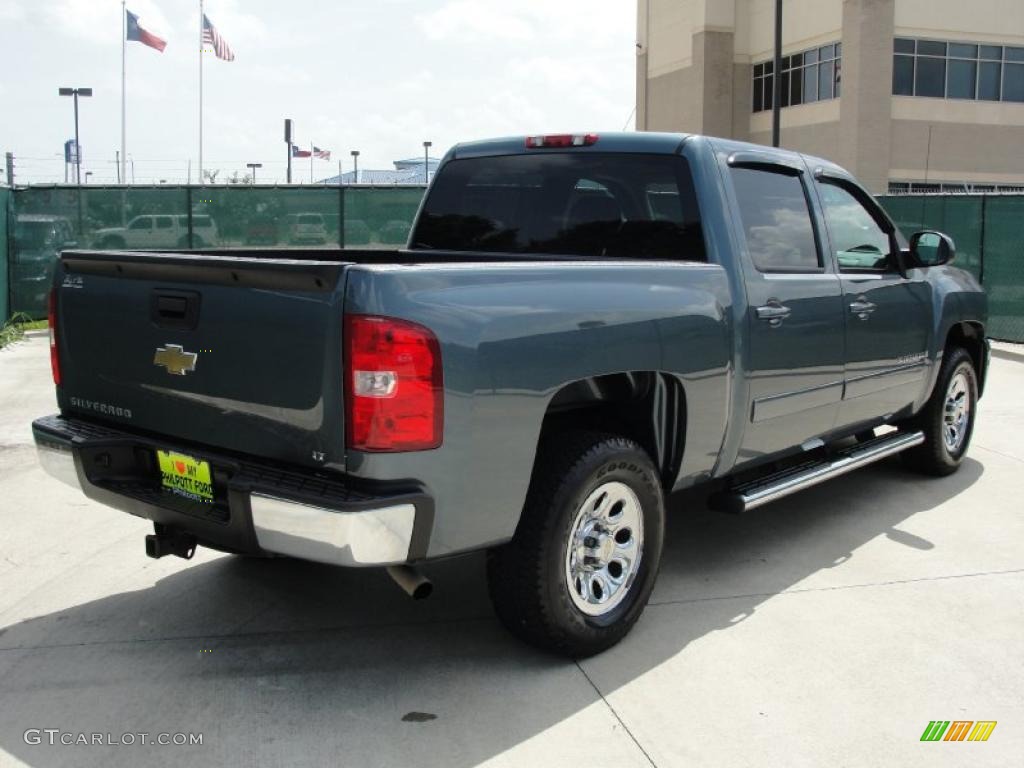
[(185, 476)]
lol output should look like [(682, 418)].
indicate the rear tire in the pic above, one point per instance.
[(947, 419), (581, 567)]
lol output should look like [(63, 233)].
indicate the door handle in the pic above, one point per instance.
[(774, 312), (861, 307)]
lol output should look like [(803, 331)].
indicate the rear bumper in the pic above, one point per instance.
[(260, 508)]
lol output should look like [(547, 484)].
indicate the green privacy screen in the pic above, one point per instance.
[(40, 221), (48, 219), (989, 235), (5, 202)]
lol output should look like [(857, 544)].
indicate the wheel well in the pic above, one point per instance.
[(645, 406), (970, 336)]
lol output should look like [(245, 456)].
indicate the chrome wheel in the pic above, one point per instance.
[(604, 550), (956, 412)]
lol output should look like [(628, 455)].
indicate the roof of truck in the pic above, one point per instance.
[(636, 141)]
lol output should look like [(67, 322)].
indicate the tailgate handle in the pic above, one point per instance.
[(174, 309)]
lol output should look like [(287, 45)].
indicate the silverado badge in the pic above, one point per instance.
[(175, 359)]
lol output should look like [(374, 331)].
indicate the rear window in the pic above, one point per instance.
[(581, 204)]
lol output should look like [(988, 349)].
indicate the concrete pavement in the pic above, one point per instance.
[(825, 629)]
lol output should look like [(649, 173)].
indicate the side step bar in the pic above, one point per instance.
[(752, 494)]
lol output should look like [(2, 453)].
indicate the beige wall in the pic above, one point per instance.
[(956, 152), (805, 24), (982, 20)]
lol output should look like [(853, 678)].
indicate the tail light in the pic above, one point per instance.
[(393, 385), (561, 140), (51, 318)]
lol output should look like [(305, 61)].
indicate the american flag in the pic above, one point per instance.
[(323, 154), (212, 38)]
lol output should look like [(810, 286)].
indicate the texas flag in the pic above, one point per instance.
[(135, 32), (296, 152)]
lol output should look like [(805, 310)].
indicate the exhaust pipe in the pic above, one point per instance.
[(411, 580), (167, 541)]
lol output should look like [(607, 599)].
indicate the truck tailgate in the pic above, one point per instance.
[(237, 353)]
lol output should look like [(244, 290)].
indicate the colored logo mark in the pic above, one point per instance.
[(958, 730)]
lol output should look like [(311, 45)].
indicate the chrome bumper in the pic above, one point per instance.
[(368, 537), (375, 531), (58, 462)]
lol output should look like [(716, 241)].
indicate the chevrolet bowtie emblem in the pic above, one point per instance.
[(175, 359)]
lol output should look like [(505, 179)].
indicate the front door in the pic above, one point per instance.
[(888, 316), (794, 357)]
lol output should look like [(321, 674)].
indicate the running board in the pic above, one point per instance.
[(752, 494)]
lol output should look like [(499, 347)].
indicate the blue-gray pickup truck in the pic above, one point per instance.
[(579, 326)]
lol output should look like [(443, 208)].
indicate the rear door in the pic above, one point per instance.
[(888, 316), (225, 352), (794, 354)]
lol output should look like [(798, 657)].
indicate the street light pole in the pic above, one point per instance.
[(253, 167), (426, 160), (75, 93), (355, 166), (777, 76)]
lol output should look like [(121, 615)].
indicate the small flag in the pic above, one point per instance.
[(323, 154), (296, 152), (135, 32), (212, 37)]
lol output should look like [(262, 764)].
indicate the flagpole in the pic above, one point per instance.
[(200, 92), (310, 162), (124, 48)]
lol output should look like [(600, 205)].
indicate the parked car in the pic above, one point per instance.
[(152, 231), (38, 240), (579, 326), (306, 229)]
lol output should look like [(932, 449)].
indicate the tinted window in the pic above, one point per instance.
[(775, 218), (903, 76), (1013, 82), (930, 78), (931, 48), (164, 222), (574, 203), (989, 81), (902, 45), (858, 241), (143, 222), (962, 75)]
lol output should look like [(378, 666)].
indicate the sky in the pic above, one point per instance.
[(380, 76)]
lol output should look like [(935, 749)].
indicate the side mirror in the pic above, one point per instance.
[(930, 249)]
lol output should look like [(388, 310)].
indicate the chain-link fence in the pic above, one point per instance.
[(37, 222), (989, 235), (48, 219)]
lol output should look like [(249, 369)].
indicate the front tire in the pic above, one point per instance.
[(581, 567), (947, 419)]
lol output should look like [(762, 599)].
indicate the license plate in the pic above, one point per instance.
[(185, 476)]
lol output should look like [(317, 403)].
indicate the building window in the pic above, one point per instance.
[(807, 76), (952, 70)]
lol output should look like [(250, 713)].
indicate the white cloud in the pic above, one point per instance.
[(471, 21), (11, 10)]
